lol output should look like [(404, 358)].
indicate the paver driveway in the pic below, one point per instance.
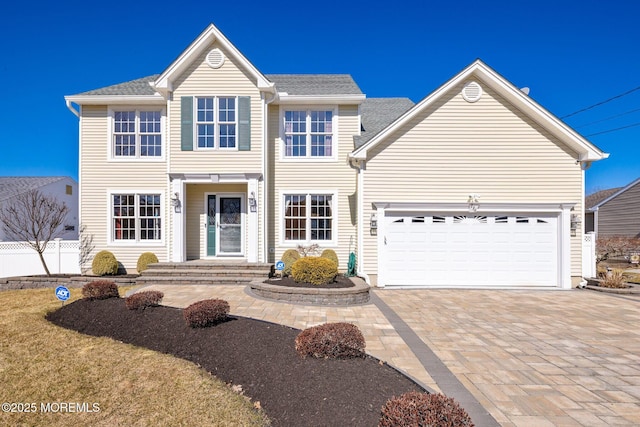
[(531, 358), (534, 358)]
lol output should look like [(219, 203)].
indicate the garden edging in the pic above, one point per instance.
[(358, 294)]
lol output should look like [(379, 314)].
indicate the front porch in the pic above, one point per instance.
[(216, 217)]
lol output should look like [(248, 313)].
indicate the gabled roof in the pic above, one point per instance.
[(613, 196), (593, 199), (315, 84), (11, 186), (378, 113), (164, 81), (479, 70)]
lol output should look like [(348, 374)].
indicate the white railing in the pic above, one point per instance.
[(589, 255), (18, 259)]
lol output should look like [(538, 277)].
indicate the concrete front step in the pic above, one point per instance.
[(186, 280), (204, 272)]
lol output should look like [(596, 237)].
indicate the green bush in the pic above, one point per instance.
[(331, 341), (144, 299), (422, 409), (331, 254), (144, 260), (206, 313), (314, 270), (289, 257), (100, 289), (104, 263)]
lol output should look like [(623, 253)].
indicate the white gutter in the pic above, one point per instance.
[(360, 230), (285, 98)]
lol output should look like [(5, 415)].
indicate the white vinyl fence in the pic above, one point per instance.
[(18, 259), (589, 255)]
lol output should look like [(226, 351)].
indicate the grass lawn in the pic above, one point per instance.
[(44, 364)]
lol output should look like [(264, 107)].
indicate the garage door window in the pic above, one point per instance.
[(308, 217)]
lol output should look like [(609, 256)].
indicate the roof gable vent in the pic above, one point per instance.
[(471, 92), (215, 58)]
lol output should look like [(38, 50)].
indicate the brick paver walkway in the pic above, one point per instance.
[(531, 358)]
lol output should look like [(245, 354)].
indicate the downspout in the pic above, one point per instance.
[(72, 109), (359, 165), (265, 173)]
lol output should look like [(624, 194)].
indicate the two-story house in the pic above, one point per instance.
[(476, 185)]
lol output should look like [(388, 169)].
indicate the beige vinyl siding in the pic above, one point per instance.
[(309, 176), (454, 148), (621, 215), (98, 176), (202, 80)]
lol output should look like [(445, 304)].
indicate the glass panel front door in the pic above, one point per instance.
[(211, 225), (230, 223)]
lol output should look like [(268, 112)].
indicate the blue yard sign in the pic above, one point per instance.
[(62, 293), (279, 265)]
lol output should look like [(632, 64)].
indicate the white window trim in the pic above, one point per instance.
[(334, 222), (110, 127), (216, 123), (307, 108), (111, 240)]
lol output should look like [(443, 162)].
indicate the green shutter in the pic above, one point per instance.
[(186, 123), (244, 123)]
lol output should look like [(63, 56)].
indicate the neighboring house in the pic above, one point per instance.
[(63, 188), (614, 212), (474, 186)]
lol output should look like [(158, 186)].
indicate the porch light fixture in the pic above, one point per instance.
[(575, 223), (253, 205), (474, 202), (175, 201), (374, 223)]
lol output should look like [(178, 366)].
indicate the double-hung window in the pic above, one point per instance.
[(308, 217), (216, 122), (137, 134), (308, 133), (136, 217)]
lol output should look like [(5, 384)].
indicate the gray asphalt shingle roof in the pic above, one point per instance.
[(593, 199), (11, 186), (377, 114), (133, 87), (315, 84)]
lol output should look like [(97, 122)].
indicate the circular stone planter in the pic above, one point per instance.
[(358, 294)]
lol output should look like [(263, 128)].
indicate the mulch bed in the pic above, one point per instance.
[(339, 282), (259, 356)]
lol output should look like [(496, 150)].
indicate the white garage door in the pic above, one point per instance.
[(493, 250)]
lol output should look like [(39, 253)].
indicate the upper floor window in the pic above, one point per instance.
[(216, 122), (308, 133), (137, 134)]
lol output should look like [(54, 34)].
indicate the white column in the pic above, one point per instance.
[(178, 245), (380, 212), (253, 236)]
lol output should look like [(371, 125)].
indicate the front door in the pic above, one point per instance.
[(224, 225)]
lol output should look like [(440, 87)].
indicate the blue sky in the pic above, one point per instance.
[(572, 54)]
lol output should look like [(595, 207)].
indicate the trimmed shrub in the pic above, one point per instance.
[(142, 300), (314, 270), (206, 313), (144, 260), (331, 254), (331, 341), (422, 409), (289, 257), (100, 289), (104, 263)]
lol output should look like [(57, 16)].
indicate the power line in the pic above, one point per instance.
[(613, 130), (607, 118), (601, 102)]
